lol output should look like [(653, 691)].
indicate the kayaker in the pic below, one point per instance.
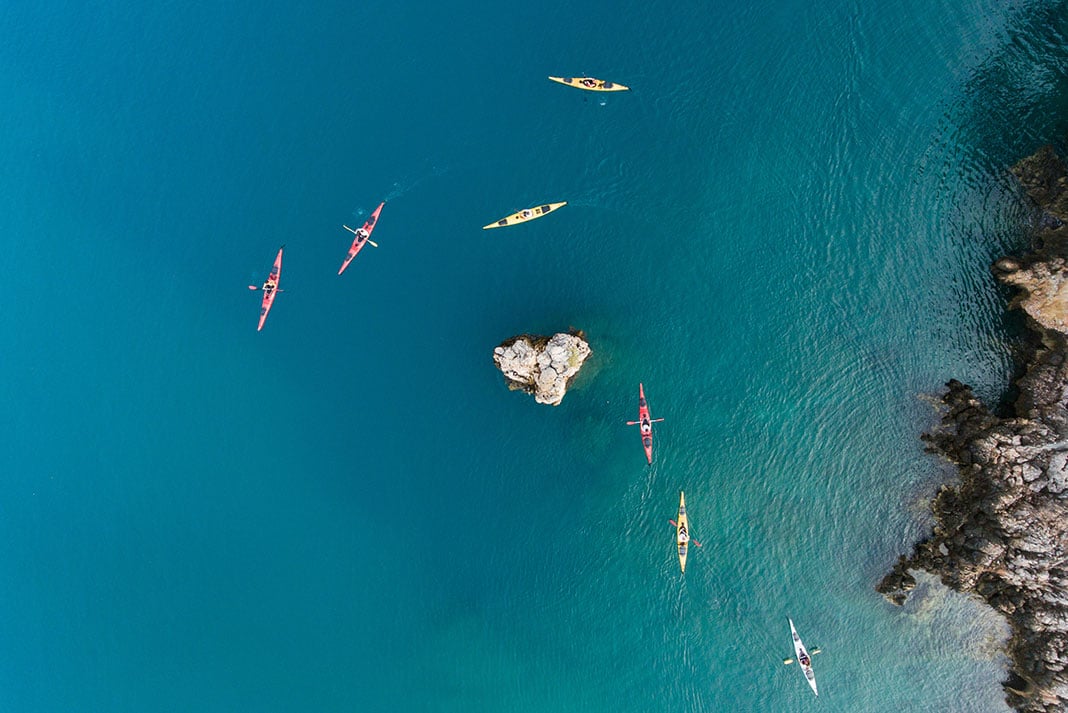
[(589, 83)]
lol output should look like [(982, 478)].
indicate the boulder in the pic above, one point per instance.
[(542, 366)]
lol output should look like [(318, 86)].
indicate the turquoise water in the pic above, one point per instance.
[(783, 231)]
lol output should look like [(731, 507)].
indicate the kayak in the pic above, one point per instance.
[(590, 84), (646, 424), (803, 658), (270, 288), (682, 532), (362, 237), (525, 215)]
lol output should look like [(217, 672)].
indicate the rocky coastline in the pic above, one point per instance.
[(1001, 531), (542, 366)]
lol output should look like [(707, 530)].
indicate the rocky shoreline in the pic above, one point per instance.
[(542, 366), (1001, 532)]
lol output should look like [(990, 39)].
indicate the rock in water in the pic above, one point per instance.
[(1001, 531), (543, 366)]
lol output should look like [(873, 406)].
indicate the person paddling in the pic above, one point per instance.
[(684, 535)]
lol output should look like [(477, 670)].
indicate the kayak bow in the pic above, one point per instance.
[(362, 237)]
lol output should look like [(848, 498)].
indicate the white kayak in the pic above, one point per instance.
[(803, 658)]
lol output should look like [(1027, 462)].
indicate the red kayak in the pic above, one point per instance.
[(363, 236), (646, 424), (270, 288)]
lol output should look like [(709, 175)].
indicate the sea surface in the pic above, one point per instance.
[(784, 231)]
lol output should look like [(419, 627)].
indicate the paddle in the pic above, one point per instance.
[(691, 539), (357, 234), (813, 652), (367, 239), (256, 287), (652, 420)]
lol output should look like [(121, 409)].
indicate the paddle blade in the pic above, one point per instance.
[(372, 243), (632, 423), (253, 287), (787, 662)]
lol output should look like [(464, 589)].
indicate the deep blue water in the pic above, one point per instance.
[(784, 231)]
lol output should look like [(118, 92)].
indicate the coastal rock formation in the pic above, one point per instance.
[(543, 366), (1002, 531)]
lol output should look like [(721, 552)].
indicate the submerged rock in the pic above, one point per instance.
[(1001, 532), (542, 366)]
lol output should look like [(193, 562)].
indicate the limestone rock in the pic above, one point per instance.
[(1043, 292), (542, 366), (1001, 532)]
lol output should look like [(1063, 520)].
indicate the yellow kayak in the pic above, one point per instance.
[(590, 84), (525, 215)]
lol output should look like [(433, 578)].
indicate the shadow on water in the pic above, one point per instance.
[(1022, 343), (1018, 98), (1016, 101)]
